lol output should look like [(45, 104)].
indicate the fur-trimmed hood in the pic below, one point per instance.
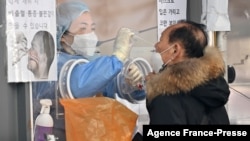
[(184, 76)]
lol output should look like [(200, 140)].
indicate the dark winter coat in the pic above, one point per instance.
[(191, 92)]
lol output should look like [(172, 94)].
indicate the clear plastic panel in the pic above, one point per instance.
[(127, 91), (238, 51), (63, 87)]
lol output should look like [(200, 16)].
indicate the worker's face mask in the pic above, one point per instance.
[(85, 44)]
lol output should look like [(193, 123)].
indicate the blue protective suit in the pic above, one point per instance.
[(92, 78), (86, 79)]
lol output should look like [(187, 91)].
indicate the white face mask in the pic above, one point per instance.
[(156, 61), (85, 44)]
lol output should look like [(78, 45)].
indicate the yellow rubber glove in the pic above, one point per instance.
[(134, 76), (123, 44)]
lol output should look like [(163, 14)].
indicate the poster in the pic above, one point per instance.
[(31, 45), (169, 12)]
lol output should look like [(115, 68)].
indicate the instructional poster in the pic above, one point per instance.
[(31, 40), (169, 12)]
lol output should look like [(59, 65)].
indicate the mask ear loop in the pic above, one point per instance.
[(175, 53), (67, 47), (69, 33), (167, 49), (171, 59)]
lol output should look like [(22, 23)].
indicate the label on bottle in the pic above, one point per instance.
[(41, 132)]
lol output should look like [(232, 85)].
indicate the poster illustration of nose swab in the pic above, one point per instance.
[(31, 45)]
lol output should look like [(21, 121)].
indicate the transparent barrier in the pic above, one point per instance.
[(130, 92), (125, 90)]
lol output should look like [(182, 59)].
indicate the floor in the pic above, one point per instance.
[(238, 104)]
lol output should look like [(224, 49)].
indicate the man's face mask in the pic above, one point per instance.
[(159, 55), (85, 44), (156, 61)]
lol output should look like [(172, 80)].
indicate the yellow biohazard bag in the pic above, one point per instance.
[(98, 119)]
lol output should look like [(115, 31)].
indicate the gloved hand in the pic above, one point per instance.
[(123, 44), (134, 76)]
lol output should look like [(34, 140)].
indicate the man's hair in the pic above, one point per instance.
[(193, 37)]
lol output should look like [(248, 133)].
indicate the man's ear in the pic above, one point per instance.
[(177, 48)]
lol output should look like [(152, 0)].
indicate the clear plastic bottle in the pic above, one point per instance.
[(44, 122)]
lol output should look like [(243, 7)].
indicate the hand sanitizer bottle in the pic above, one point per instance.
[(44, 122)]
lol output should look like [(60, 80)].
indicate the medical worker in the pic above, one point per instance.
[(76, 40)]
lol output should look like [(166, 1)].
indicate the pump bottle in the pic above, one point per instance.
[(44, 122)]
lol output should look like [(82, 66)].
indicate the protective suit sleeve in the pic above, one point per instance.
[(110, 89), (88, 79), (123, 44)]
